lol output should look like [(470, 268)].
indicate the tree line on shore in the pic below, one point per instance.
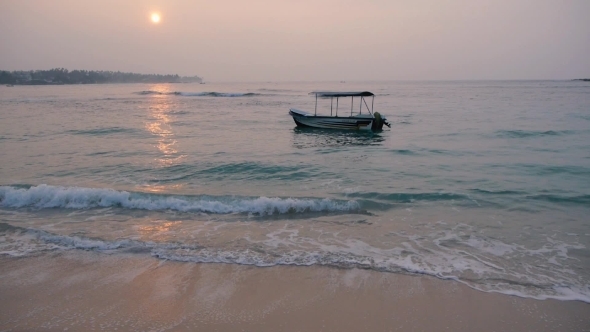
[(63, 76)]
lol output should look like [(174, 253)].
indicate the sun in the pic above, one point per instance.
[(155, 17)]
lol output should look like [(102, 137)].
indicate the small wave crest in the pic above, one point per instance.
[(530, 133), (408, 197), (380, 201), (277, 90), (473, 197), (47, 196), (103, 131), (576, 200), (196, 94)]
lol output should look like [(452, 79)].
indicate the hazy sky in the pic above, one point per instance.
[(289, 40)]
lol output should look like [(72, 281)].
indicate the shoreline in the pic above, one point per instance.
[(85, 290)]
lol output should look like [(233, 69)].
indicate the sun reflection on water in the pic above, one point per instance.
[(154, 188), (162, 231), (159, 125)]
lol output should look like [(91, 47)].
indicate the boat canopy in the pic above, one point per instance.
[(329, 94)]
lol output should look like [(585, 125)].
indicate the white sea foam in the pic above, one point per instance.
[(286, 247), (444, 267), (47, 196)]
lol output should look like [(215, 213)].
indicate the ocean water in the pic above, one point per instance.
[(486, 183)]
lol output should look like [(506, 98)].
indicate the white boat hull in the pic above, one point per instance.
[(356, 122)]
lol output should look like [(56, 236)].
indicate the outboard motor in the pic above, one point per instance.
[(378, 122)]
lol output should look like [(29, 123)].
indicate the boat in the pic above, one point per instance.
[(355, 121)]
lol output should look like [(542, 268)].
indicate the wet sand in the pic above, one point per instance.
[(88, 291)]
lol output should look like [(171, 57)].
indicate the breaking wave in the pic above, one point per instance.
[(47, 196)]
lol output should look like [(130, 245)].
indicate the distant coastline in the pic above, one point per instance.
[(59, 76), (583, 79)]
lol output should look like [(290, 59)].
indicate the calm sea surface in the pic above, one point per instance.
[(485, 183)]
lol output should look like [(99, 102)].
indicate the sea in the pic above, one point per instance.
[(484, 183)]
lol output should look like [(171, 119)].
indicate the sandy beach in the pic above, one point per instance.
[(87, 291)]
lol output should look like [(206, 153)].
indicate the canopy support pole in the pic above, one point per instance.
[(316, 104), (368, 110), (361, 104)]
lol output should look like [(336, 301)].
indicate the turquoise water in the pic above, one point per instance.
[(484, 183)]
